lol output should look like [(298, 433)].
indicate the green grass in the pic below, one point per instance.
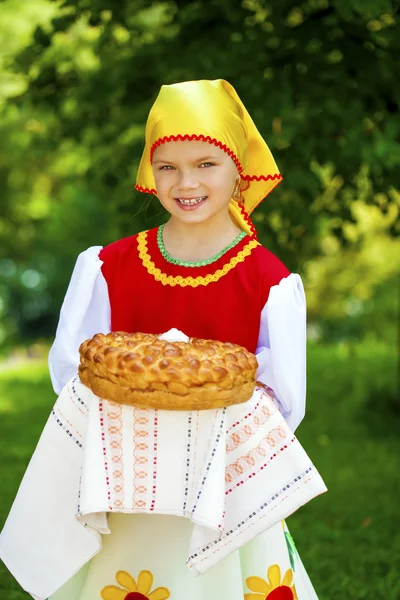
[(26, 399), (349, 538)]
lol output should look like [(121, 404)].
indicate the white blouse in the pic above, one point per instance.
[(281, 347)]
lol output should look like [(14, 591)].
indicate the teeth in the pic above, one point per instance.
[(191, 201)]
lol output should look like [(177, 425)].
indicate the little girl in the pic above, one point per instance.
[(205, 274)]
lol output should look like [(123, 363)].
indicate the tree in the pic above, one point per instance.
[(318, 76)]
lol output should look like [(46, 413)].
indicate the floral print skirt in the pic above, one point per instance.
[(144, 559)]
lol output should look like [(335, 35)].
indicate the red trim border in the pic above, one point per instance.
[(246, 217), (215, 142), (261, 177), (139, 188), (198, 138)]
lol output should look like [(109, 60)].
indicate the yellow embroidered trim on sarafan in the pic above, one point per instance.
[(189, 281)]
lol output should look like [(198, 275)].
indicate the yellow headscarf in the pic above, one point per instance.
[(211, 111)]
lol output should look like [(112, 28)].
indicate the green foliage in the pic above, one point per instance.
[(347, 538), (78, 79), (352, 292)]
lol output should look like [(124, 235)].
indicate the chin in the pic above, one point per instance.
[(189, 216), (191, 221)]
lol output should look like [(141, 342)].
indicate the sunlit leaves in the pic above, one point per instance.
[(320, 78)]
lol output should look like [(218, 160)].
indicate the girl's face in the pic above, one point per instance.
[(194, 180)]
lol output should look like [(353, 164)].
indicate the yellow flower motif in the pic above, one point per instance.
[(274, 589), (132, 590)]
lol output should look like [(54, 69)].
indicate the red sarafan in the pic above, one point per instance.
[(134, 268)]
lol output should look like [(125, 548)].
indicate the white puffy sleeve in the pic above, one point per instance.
[(281, 348), (84, 312)]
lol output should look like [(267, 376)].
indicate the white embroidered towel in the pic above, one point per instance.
[(234, 472), (42, 542)]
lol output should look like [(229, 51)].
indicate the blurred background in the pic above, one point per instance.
[(321, 80)]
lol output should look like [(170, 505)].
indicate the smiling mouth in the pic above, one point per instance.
[(191, 201)]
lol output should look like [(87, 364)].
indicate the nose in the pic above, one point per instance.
[(188, 181)]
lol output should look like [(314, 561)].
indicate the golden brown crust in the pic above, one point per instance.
[(142, 370)]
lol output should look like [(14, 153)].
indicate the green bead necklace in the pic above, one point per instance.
[(200, 263)]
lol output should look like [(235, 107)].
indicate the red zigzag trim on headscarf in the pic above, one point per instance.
[(215, 142), (244, 177), (145, 190), (198, 138), (245, 213), (247, 219), (261, 177)]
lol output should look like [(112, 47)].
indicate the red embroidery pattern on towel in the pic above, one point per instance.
[(140, 457), (114, 429), (155, 449), (105, 452), (242, 434), (252, 459), (81, 408)]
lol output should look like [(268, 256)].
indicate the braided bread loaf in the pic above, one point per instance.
[(142, 370)]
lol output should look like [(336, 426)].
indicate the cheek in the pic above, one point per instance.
[(163, 181), (221, 184)]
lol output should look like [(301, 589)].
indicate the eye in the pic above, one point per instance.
[(207, 164), (166, 168)]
